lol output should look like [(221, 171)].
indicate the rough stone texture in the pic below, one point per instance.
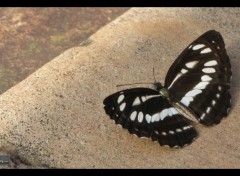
[(27, 43), (55, 117)]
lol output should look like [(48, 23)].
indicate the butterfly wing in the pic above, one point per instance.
[(146, 113), (200, 78)]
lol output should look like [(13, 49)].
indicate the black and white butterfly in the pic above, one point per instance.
[(196, 89)]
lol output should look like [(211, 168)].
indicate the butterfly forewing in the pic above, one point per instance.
[(200, 78), (146, 113)]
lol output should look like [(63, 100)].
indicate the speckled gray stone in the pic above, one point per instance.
[(55, 117)]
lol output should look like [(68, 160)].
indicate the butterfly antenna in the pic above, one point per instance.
[(138, 83), (154, 76), (132, 84)]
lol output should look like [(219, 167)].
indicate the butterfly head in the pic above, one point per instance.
[(162, 90), (157, 86)]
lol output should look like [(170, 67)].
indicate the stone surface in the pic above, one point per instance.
[(55, 117), (27, 43)]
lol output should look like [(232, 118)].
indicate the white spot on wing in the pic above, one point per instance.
[(208, 109), (193, 93), (208, 70), (136, 102), (148, 118), (191, 64), (155, 117), (140, 117), (183, 71), (186, 127), (186, 100), (178, 75), (202, 116), (120, 98), (219, 88), (169, 112), (190, 47), (201, 85), (143, 98), (174, 111), (206, 50), (122, 106), (164, 113), (133, 115), (199, 46), (228, 110), (178, 130), (206, 78), (166, 146), (213, 102), (151, 96), (218, 95), (164, 133), (171, 132), (211, 63)]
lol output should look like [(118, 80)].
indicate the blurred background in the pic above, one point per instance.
[(31, 37)]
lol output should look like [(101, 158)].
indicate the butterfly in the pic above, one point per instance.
[(196, 90)]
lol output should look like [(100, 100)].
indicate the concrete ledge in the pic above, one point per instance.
[(55, 117)]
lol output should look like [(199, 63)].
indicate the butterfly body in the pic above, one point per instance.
[(180, 107), (196, 89)]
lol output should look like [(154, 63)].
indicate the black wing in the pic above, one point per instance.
[(145, 113), (200, 78)]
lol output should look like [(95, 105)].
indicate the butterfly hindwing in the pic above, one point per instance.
[(200, 78), (147, 114)]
